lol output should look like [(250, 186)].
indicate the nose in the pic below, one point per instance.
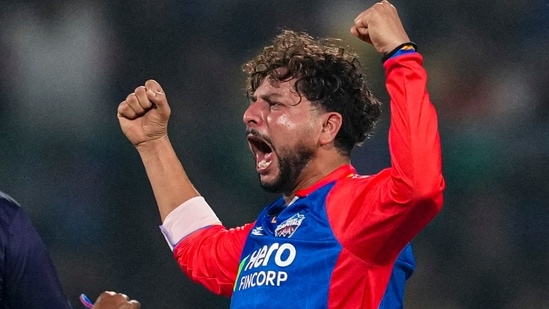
[(253, 115)]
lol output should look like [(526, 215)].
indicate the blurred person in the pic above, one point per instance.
[(332, 238), (28, 278), (55, 56)]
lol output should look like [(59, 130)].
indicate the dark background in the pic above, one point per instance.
[(65, 66)]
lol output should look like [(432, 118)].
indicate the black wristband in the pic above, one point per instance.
[(394, 51)]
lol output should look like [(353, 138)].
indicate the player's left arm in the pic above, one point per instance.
[(385, 211), (414, 141)]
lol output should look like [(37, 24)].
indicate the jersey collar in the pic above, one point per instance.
[(341, 172)]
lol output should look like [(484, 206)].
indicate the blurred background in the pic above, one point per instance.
[(65, 66)]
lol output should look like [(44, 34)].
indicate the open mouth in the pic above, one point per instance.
[(262, 151)]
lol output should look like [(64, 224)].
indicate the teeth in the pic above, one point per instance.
[(263, 164)]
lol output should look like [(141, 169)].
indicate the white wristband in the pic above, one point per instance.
[(188, 217)]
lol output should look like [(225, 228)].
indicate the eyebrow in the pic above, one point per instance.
[(266, 97)]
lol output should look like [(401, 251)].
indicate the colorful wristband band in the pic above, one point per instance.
[(86, 301), (403, 48)]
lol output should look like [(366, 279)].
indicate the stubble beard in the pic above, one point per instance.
[(291, 163)]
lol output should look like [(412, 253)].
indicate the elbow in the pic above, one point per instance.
[(430, 195)]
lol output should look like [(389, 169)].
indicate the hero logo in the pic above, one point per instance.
[(281, 254), (288, 227)]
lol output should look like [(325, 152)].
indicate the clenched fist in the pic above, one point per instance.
[(144, 115), (380, 26)]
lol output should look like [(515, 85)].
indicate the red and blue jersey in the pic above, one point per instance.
[(335, 245)]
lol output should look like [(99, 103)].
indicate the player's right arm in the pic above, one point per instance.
[(143, 118), (205, 250)]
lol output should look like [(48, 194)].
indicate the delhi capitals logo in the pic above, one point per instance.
[(288, 227)]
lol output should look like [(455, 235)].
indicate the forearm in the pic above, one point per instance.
[(413, 136), (169, 181)]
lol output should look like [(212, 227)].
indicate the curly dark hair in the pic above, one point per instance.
[(326, 74)]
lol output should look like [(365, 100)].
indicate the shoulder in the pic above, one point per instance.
[(8, 201), (356, 184), (9, 209)]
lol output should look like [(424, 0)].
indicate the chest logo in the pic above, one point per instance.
[(289, 226), (257, 231)]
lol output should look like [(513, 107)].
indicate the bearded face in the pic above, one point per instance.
[(282, 129), (291, 162)]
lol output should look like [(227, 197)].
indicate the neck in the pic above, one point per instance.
[(315, 170)]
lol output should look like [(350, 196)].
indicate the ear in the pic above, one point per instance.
[(331, 124)]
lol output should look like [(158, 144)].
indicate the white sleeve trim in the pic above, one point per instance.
[(188, 217)]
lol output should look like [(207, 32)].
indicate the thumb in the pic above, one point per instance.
[(154, 86), (156, 95), (154, 89)]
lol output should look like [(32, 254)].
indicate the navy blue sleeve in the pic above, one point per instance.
[(29, 278)]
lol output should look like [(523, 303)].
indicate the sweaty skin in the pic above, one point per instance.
[(367, 219), (144, 115)]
